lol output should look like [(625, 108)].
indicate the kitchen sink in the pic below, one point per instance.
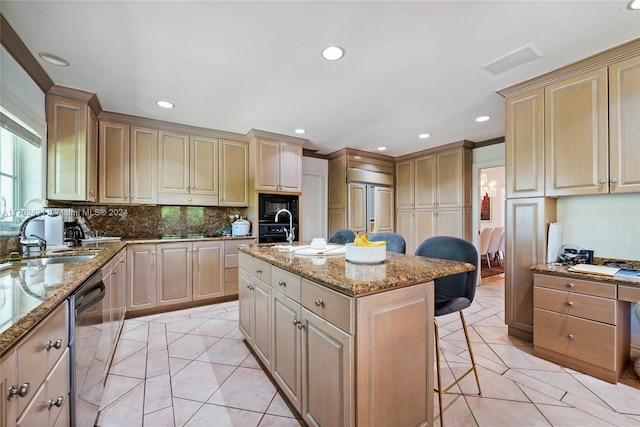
[(58, 259)]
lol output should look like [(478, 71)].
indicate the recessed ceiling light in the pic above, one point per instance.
[(53, 59), (382, 148), (165, 104), (482, 118), (424, 136), (634, 5), (300, 131), (332, 53)]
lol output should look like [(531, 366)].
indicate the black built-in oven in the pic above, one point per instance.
[(270, 230)]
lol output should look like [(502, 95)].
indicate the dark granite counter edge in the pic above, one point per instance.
[(562, 271), (433, 269)]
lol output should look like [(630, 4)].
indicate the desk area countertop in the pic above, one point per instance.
[(358, 279)]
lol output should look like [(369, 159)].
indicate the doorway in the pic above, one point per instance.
[(491, 216)]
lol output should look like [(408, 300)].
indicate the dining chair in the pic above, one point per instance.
[(485, 238), (342, 236), (395, 242), (501, 249), (494, 244), (452, 294)]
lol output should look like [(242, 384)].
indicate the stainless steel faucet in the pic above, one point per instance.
[(26, 244), (291, 234)]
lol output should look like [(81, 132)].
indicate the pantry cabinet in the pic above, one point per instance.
[(128, 163), (234, 173), (433, 194), (187, 169), (72, 141)]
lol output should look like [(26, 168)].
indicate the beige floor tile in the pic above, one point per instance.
[(229, 315), (535, 384), (161, 418), (279, 407), (176, 364), (563, 381), (190, 346), (132, 324), (184, 409), (157, 363), (139, 333), (246, 388), (226, 351), (250, 362), (494, 386), (539, 398), (118, 386), (134, 366), (456, 411), (185, 326), (224, 417), (199, 380), (558, 416), (522, 357), (215, 328), (275, 421), (172, 316), (495, 412), (172, 336), (157, 393), (126, 348), (235, 334), (599, 411), (620, 397), (126, 411), (157, 342), (157, 328)]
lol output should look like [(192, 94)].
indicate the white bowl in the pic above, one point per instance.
[(318, 243), (365, 254)]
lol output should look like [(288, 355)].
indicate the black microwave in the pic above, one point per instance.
[(270, 204)]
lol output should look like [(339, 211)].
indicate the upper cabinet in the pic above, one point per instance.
[(128, 158), (234, 173), (72, 141), (276, 162), (575, 131), (187, 169)]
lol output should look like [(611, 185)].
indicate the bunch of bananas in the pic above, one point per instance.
[(363, 241)]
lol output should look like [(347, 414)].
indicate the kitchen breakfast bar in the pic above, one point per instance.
[(348, 344)]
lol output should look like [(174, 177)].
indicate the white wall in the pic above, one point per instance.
[(314, 199)]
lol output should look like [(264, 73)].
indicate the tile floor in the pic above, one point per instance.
[(191, 368)]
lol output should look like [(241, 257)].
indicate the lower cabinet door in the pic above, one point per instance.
[(286, 358), (326, 373), (262, 337), (208, 270), (246, 302)]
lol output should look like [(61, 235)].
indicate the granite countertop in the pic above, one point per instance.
[(358, 279), (563, 270), (29, 293)]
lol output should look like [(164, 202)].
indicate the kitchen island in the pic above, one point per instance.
[(348, 344)]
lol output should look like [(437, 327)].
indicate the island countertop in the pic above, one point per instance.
[(355, 280)]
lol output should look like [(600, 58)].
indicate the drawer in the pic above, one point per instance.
[(231, 246), (245, 262), (580, 305), (286, 283), (261, 270), (629, 293), (230, 260), (599, 289), (231, 275), (328, 304), (36, 357), (581, 339)]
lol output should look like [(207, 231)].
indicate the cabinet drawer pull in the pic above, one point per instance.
[(57, 345), (614, 181), (603, 181), (300, 325), (57, 402), (319, 302), (258, 271), (570, 285), (282, 283), (570, 337), (295, 322), (21, 391), (250, 287), (570, 303)]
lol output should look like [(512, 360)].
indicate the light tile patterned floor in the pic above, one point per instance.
[(191, 368)]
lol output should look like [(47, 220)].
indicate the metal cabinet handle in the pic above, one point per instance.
[(603, 181), (282, 283), (318, 302), (258, 271), (21, 391), (570, 285), (570, 303), (57, 345), (114, 271), (570, 337), (57, 402), (250, 287), (614, 181), (300, 325)]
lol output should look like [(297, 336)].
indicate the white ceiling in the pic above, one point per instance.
[(409, 68)]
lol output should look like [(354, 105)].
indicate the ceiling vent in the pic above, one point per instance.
[(513, 59)]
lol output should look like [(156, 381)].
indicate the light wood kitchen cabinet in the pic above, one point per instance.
[(624, 126), (141, 276), (8, 379), (174, 273), (278, 165), (234, 173), (114, 277), (580, 324), (357, 208), (527, 222), (208, 269), (337, 173), (254, 296), (72, 141), (525, 145), (384, 212), (187, 169), (433, 194), (576, 135), (128, 163)]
